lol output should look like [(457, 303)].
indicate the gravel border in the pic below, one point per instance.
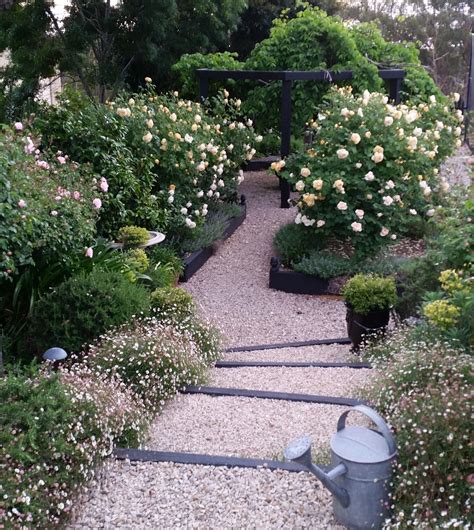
[(165, 495), (240, 426), (340, 382), (332, 352)]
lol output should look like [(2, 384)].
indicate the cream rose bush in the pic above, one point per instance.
[(372, 167)]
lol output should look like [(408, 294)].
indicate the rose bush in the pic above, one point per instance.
[(165, 159), (372, 167)]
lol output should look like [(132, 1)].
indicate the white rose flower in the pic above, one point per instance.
[(369, 177), (189, 204), (387, 200), (259, 138), (342, 206), (377, 157), (188, 138), (149, 123), (360, 213), (184, 211), (318, 184), (367, 134), (355, 138), (298, 219), (357, 227), (171, 199), (190, 223), (148, 137), (417, 131), (384, 232), (299, 186), (173, 117), (320, 223), (430, 212), (388, 121), (200, 194), (342, 153), (457, 131), (432, 99), (220, 183), (413, 211), (390, 185), (305, 172)]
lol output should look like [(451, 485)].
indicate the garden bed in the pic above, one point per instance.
[(290, 281), (195, 260)]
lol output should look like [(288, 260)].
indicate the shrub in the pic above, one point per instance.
[(82, 308), (172, 301), (369, 292), (47, 213), (324, 264), (133, 236), (165, 159), (56, 429), (137, 260), (371, 167), (292, 242), (423, 391), (154, 360)]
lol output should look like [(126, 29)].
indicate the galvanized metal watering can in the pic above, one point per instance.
[(360, 473)]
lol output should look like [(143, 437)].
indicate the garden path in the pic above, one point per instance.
[(232, 290)]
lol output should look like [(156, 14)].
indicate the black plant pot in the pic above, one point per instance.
[(360, 327)]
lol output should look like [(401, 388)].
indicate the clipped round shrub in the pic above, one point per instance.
[(365, 293), (133, 236), (154, 359), (137, 260), (82, 308), (172, 301)]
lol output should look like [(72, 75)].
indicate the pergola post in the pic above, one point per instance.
[(285, 137)]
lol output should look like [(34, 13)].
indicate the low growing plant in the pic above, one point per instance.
[(292, 243), (365, 293), (423, 391), (174, 302)]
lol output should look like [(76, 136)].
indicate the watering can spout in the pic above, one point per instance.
[(299, 451)]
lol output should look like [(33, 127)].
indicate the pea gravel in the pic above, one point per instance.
[(329, 353), (165, 496), (232, 287), (239, 426), (341, 382)]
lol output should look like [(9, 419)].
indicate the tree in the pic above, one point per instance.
[(105, 46), (256, 21), (440, 27)]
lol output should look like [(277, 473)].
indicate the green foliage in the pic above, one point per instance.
[(324, 264), (172, 301), (292, 243), (133, 236), (158, 154), (154, 360), (371, 168), (137, 260), (369, 292), (82, 308), (310, 41), (422, 392), (55, 430), (163, 255), (187, 65)]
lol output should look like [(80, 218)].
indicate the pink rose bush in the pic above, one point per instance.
[(372, 166)]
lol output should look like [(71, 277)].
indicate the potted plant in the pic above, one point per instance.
[(368, 299)]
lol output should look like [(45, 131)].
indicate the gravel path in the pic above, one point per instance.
[(341, 382), (239, 426), (332, 352), (165, 496), (232, 287), (456, 168)]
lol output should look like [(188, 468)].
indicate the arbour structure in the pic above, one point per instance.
[(394, 77)]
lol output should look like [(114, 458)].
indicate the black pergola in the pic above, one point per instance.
[(394, 78)]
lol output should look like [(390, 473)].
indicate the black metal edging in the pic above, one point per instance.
[(288, 364), (281, 345), (141, 455), (263, 394)]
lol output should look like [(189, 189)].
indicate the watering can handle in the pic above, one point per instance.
[(377, 419)]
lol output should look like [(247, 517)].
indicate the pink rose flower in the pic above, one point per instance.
[(42, 164), (18, 126), (97, 203), (89, 252), (21, 203), (104, 185), (76, 195), (54, 213), (61, 160)]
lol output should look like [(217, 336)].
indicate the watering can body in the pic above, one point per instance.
[(368, 457)]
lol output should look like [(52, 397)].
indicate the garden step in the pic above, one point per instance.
[(283, 345), (330, 353), (264, 394), (241, 426), (289, 364), (297, 381), (168, 495)]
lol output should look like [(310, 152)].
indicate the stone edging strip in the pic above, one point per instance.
[(288, 364), (142, 455), (280, 345), (263, 394)]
